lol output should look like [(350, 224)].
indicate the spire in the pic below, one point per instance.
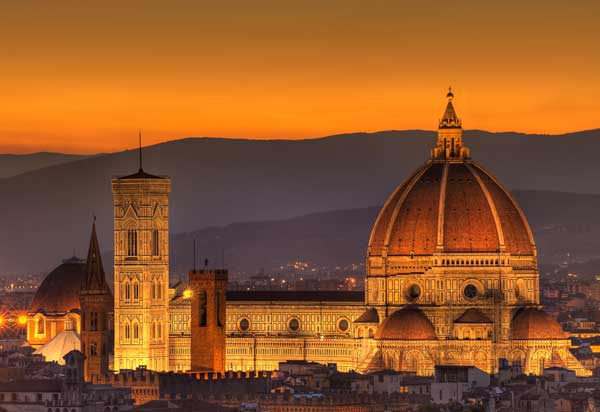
[(450, 144), (95, 279), (450, 120)]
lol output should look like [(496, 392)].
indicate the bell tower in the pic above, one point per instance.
[(96, 311), (208, 319), (141, 255)]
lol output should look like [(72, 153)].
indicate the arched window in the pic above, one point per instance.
[(152, 330), (40, 330), (131, 242), (127, 331), (155, 243), (127, 288), (153, 290), (136, 291), (136, 331), (159, 290), (159, 330)]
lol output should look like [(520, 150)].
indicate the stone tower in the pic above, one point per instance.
[(96, 310), (141, 254), (208, 319)]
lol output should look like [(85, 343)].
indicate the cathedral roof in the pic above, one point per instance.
[(473, 315), (369, 316), (140, 175), (296, 296), (59, 346), (450, 119), (450, 204), (408, 323), (59, 292), (451, 207), (532, 323)]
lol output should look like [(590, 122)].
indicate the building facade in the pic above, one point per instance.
[(452, 279), (141, 271)]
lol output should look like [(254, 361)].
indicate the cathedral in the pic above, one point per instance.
[(452, 279)]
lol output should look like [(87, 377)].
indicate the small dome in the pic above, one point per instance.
[(532, 323), (59, 292), (406, 324), (473, 315)]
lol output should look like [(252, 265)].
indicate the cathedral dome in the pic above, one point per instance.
[(406, 324), (450, 204), (532, 323), (59, 292)]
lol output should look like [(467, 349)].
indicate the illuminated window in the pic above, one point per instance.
[(40, 326), (132, 242)]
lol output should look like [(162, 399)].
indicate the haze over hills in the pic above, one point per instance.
[(15, 164), (46, 214)]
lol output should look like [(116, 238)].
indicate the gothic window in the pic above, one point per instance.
[(127, 291), (94, 321), (155, 243), (136, 291), (203, 309), (152, 330), (136, 331), (127, 331), (159, 290), (153, 290), (40, 326), (131, 242), (93, 351), (159, 330)]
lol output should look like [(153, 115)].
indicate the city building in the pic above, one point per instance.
[(452, 279)]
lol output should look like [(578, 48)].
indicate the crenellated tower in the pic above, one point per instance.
[(141, 254), (96, 313)]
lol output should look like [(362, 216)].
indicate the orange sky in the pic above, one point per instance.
[(84, 78)]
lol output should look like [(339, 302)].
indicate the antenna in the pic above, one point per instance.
[(194, 255), (140, 143)]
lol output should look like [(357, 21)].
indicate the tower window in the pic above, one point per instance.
[(136, 291), (136, 331), (127, 331), (93, 350), (127, 291), (94, 321), (203, 309), (132, 242), (155, 243)]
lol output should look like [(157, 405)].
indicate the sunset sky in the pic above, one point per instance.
[(82, 78)]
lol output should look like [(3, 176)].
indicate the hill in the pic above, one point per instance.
[(15, 164), (46, 214)]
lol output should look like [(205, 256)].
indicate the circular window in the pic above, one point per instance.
[(244, 325), (343, 325), (413, 292), (294, 324), (470, 291)]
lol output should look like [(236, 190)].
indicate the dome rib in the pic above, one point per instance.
[(518, 238), (441, 207), (491, 205)]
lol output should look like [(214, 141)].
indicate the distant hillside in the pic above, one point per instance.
[(15, 164), (46, 214), (563, 224)]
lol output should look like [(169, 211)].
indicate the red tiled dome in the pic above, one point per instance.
[(455, 203), (59, 292), (532, 323), (406, 324)]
